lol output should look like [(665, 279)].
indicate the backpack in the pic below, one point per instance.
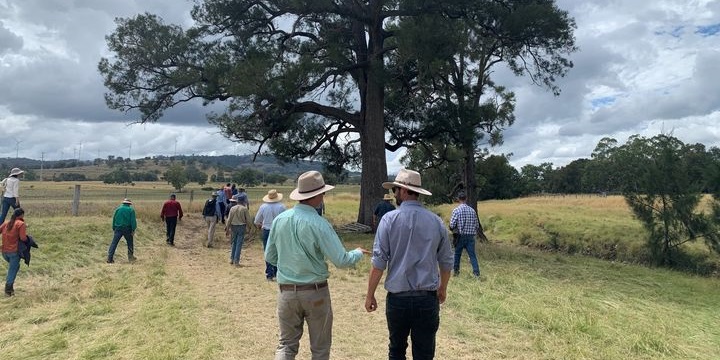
[(209, 209)]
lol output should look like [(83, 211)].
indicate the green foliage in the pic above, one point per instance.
[(117, 176), (663, 191), (194, 174), (247, 176), (176, 176)]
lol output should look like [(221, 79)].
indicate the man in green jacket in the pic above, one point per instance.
[(124, 225)]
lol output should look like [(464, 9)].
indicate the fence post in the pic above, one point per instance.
[(192, 195), (76, 201)]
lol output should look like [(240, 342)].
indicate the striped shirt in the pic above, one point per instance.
[(464, 220)]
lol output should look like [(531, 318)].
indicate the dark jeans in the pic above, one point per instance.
[(466, 242), (6, 204), (128, 234), (417, 316), (171, 224), (270, 270)]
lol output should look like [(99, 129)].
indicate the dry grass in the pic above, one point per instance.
[(187, 302)]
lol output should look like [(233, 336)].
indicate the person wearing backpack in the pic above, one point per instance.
[(210, 212), (11, 195)]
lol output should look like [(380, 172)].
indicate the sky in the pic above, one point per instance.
[(643, 67)]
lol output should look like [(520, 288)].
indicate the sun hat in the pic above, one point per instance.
[(272, 196), (16, 171), (212, 193), (232, 199), (310, 184), (388, 197), (127, 201), (408, 179)]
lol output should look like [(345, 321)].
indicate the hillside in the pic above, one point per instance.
[(158, 165)]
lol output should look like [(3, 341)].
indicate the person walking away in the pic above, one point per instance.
[(171, 212), (242, 198), (464, 222), (11, 196), (222, 204), (412, 244), (382, 208), (124, 224), (210, 212), (268, 210), (299, 244), (13, 231), (228, 193), (237, 222)]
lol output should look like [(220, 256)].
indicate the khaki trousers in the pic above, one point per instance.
[(296, 307), (210, 221)]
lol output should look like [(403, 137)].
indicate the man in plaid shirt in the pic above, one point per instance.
[(464, 221)]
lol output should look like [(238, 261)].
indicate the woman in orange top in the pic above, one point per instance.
[(13, 231)]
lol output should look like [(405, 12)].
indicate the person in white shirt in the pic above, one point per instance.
[(11, 197)]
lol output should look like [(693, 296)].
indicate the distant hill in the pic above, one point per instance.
[(157, 164)]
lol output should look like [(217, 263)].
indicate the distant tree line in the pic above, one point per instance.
[(611, 169)]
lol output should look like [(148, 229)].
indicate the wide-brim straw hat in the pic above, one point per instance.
[(408, 179), (16, 171), (272, 196), (310, 184), (127, 201), (388, 197)]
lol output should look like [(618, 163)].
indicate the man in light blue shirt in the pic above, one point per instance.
[(270, 208), (300, 241), (412, 243)]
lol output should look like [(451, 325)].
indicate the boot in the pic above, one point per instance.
[(9, 291)]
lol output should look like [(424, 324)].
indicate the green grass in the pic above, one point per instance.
[(185, 303)]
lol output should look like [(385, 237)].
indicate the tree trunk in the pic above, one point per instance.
[(471, 185), (372, 134)]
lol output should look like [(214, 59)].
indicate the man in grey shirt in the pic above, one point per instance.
[(412, 243)]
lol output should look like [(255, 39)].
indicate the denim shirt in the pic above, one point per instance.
[(412, 244)]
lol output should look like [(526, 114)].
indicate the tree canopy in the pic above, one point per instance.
[(310, 78)]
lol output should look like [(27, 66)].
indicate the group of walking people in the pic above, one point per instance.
[(412, 249)]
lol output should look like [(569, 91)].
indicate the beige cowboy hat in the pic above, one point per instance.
[(310, 184), (272, 196), (388, 197), (16, 171), (408, 179), (127, 201)]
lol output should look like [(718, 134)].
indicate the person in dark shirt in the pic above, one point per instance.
[(382, 208)]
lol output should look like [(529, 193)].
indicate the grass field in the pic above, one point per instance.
[(187, 302)]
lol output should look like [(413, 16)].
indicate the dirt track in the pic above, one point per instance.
[(239, 304)]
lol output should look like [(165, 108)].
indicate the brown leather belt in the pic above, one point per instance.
[(303, 287)]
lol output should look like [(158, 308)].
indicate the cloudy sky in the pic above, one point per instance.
[(644, 67)]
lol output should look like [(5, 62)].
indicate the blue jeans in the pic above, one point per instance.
[(238, 236), (13, 260), (6, 204), (270, 270), (128, 234), (416, 316), (466, 242)]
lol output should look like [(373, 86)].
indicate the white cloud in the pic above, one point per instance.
[(643, 67)]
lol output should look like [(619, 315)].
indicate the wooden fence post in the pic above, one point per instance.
[(76, 201)]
